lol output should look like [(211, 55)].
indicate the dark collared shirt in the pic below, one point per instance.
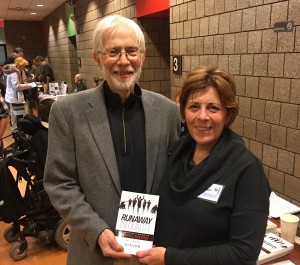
[(127, 125)]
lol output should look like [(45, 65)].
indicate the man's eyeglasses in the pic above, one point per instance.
[(114, 54)]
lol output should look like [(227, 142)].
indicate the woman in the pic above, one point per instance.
[(14, 87), (97, 80), (214, 203)]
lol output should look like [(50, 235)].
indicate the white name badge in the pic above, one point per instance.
[(213, 193)]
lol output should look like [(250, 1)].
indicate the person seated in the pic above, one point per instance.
[(97, 80), (79, 85), (44, 111)]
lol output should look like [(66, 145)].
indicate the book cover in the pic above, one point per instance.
[(273, 247), (136, 221)]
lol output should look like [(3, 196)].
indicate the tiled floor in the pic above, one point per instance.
[(37, 254)]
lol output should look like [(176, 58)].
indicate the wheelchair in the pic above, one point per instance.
[(32, 213)]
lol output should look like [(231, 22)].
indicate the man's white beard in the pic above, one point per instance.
[(126, 84)]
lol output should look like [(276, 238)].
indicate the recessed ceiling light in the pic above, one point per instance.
[(39, 5)]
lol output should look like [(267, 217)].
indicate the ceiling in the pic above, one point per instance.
[(22, 9)]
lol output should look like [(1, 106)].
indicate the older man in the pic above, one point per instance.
[(107, 139)]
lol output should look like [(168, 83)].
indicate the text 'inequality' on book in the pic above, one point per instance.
[(136, 221), (273, 247)]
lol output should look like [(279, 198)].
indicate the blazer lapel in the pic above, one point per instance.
[(99, 126), (153, 130)]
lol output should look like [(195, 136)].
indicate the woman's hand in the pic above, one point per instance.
[(153, 256)]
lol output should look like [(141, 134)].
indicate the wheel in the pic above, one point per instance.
[(16, 254), (9, 234), (62, 234)]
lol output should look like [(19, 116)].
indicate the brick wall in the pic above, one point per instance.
[(238, 36)]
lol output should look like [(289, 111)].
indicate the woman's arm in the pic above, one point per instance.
[(247, 222), (15, 80)]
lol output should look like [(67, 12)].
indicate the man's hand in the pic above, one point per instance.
[(153, 256), (109, 245)]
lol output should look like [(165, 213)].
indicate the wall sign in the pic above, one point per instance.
[(177, 64), (284, 26)]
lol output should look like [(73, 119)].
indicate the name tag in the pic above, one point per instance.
[(213, 193)]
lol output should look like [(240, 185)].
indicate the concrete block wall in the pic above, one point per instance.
[(156, 72), (155, 75), (238, 36), (61, 50)]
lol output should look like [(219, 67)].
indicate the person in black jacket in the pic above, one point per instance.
[(214, 198), (46, 74), (79, 85)]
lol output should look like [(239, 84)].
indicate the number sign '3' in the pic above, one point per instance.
[(177, 65)]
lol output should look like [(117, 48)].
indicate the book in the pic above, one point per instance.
[(273, 247), (136, 221), (286, 262), (33, 84), (271, 227), (279, 206)]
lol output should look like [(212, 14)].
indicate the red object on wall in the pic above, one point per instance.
[(154, 8), (1, 23)]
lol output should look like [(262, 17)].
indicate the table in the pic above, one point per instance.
[(294, 256), (43, 96)]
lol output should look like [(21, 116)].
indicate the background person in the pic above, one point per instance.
[(183, 127), (35, 71), (4, 119), (19, 51), (79, 85), (44, 110), (10, 58), (97, 80), (214, 187), (2, 83), (107, 139), (46, 74), (14, 86)]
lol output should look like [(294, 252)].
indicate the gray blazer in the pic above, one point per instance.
[(81, 173)]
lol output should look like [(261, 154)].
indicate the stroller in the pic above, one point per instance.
[(33, 211)]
